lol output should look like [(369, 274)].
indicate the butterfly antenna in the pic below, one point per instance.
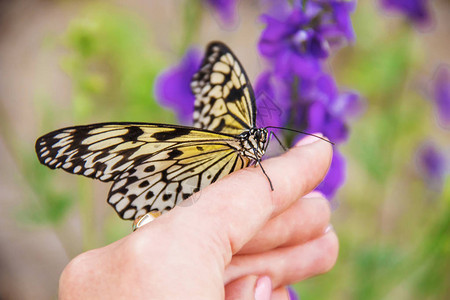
[(279, 142), (298, 131)]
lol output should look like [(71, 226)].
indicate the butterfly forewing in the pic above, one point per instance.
[(148, 162), (224, 99)]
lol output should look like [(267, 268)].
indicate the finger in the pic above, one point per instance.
[(288, 265), (233, 209), (281, 293), (303, 221), (249, 287), (241, 288)]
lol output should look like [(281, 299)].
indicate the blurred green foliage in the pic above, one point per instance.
[(112, 65), (394, 232)]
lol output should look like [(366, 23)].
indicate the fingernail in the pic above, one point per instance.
[(263, 288), (328, 229), (314, 194), (309, 139)]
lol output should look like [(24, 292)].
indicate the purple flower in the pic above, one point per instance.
[(226, 9), (292, 294), (335, 177), (320, 107), (320, 119), (337, 25), (441, 95), (296, 40), (431, 163), (173, 89), (415, 10), (348, 104)]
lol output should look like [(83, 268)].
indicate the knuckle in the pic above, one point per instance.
[(76, 269)]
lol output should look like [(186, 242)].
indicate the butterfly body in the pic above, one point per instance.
[(253, 143), (154, 167)]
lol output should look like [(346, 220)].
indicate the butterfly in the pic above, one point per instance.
[(154, 167)]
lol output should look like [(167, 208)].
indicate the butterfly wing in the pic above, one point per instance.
[(224, 98), (153, 166)]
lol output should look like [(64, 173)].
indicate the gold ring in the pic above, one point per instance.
[(145, 219)]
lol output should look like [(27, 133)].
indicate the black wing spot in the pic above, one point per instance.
[(200, 148), (132, 197), (185, 196), (132, 179), (144, 184), (220, 126), (149, 195), (133, 133), (174, 153), (167, 135), (166, 197), (149, 169), (234, 95)]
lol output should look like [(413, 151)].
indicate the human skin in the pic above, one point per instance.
[(237, 240)]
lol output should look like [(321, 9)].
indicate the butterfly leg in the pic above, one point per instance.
[(258, 162), (267, 176)]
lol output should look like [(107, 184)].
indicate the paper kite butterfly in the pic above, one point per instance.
[(154, 167)]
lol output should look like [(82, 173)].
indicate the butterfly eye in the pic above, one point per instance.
[(258, 135)]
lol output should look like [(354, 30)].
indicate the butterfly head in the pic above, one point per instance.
[(259, 135), (253, 143)]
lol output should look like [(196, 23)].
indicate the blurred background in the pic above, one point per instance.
[(77, 62)]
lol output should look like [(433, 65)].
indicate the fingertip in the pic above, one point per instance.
[(317, 139), (329, 244), (312, 138), (315, 194), (302, 168)]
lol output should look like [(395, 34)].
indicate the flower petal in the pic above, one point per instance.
[(172, 87), (335, 177), (441, 93)]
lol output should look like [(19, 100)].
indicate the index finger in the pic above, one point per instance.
[(237, 206)]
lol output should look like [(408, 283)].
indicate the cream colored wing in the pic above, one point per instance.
[(224, 99), (153, 166)]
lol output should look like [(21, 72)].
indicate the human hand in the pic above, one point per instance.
[(240, 239)]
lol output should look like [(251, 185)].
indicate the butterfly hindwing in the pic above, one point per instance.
[(147, 162), (224, 99), (171, 176)]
